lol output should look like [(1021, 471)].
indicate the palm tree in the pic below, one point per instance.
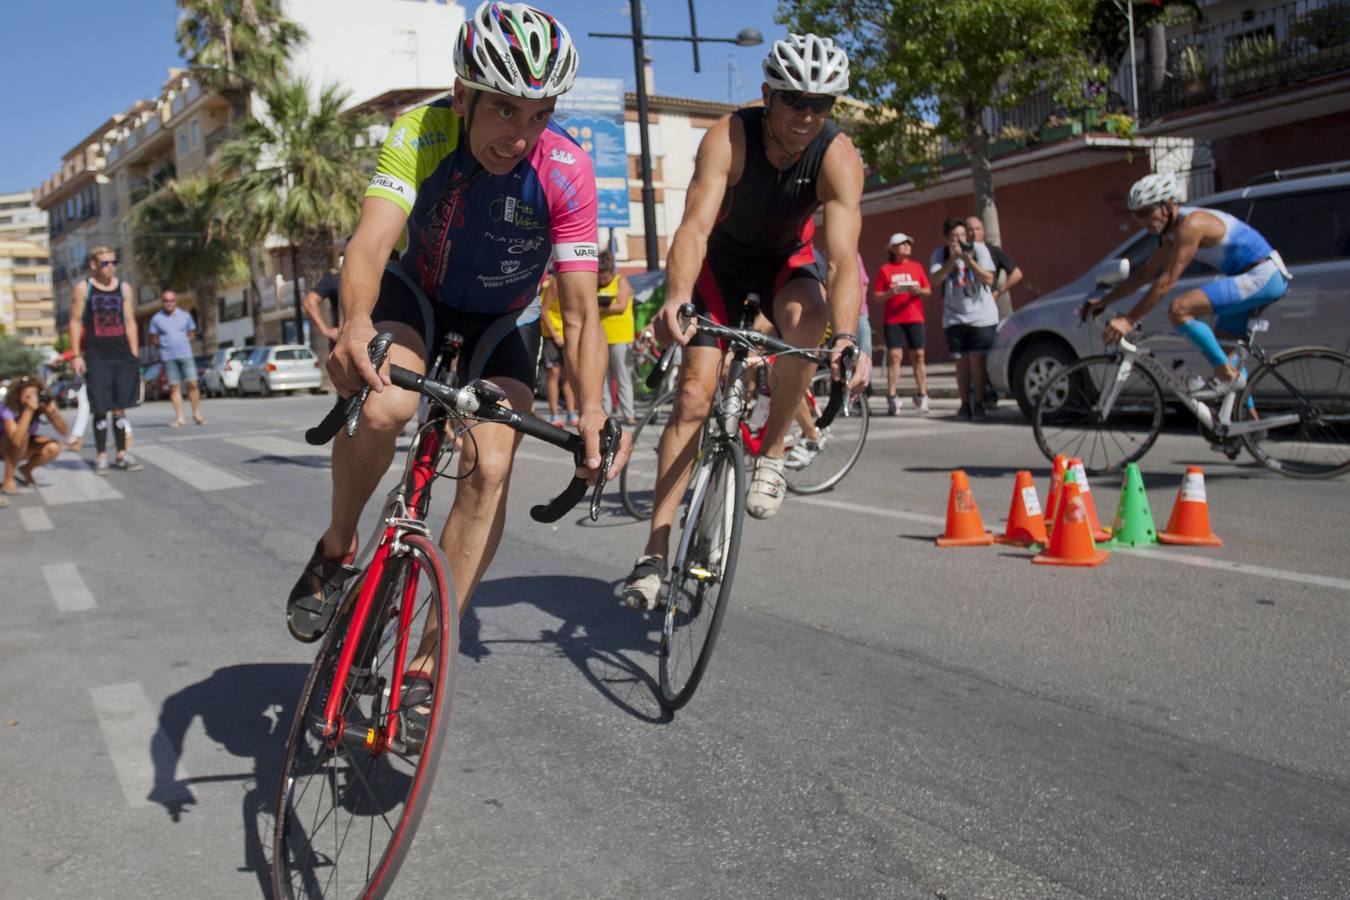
[(243, 41), (180, 238), (299, 172)]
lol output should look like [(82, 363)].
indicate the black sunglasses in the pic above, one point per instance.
[(799, 102), (104, 263)]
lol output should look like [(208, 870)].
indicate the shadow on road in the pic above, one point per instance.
[(247, 711), (606, 644), (308, 462)]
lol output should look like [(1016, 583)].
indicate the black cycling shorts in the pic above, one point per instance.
[(911, 332), (723, 284), (512, 353)]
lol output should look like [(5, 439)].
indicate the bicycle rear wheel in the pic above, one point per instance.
[(350, 802), (1312, 384), (637, 480), (1068, 417), (839, 447), (700, 578)]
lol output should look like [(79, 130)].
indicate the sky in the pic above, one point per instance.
[(68, 66)]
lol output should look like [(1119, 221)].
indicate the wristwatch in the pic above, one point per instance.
[(840, 335)]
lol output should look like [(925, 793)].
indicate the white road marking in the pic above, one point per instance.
[(35, 518), (67, 588), (150, 773), (205, 434), (72, 481), (276, 446), (875, 435), (198, 473), (873, 510), (1241, 568)]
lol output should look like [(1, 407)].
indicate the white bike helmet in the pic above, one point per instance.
[(807, 63), (515, 49), (1153, 189)]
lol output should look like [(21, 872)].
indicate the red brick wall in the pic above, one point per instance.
[(1237, 160), (1055, 227)]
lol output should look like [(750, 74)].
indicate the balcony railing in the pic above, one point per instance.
[(218, 137), (1276, 47)]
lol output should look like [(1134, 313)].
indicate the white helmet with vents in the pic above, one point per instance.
[(807, 63), (1153, 189), (515, 49)]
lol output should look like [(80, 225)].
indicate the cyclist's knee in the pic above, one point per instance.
[(389, 410), (692, 402), (488, 463)]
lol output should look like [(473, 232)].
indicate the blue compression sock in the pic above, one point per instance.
[(1202, 336)]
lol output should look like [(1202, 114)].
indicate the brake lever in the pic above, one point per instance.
[(610, 438)]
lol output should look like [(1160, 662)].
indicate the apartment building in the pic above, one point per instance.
[(22, 218), (26, 309)]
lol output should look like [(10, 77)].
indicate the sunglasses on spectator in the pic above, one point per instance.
[(105, 263), (799, 102)]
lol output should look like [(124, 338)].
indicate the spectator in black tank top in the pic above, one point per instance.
[(106, 344), (759, 177)]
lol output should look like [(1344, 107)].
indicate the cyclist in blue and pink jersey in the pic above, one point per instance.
[(1253, 274), (477, 192)]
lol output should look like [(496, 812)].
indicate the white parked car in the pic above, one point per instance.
[(222, 376), (287, 367)]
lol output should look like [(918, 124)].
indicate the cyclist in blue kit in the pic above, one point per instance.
[(1253, 274)]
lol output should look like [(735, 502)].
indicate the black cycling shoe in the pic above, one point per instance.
[(415, 711), (310, 607)]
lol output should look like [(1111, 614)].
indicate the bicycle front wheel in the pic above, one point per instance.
[(351, 798), (1305, 394), (820, 464), (1076, 416), (637, 480), (700, 578)]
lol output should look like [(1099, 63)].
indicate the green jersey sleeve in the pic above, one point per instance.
[(419, 140)]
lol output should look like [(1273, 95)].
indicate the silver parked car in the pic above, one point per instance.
[(221, 377), (287, 367), (1306, 219)]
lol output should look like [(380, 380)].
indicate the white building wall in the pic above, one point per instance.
[(372, 46)]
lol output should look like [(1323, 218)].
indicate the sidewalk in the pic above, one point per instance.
[(941, 381)]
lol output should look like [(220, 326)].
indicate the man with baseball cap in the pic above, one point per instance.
[(902, 284)]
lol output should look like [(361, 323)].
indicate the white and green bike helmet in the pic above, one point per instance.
[(515, 49)]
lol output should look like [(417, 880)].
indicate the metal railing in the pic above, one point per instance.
[(1275, 47)]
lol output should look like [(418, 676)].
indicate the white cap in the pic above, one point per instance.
[(900, 238)]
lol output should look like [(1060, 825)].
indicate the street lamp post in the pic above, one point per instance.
[(748, 37)]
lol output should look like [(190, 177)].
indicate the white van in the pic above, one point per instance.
[(1306, 219)]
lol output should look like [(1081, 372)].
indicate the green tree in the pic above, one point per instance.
[(929, 70), (15, 358), (244, 41), (299, 172), (180, 239)]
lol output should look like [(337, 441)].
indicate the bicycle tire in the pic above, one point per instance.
[(701, 575), (1064, 420), (637, 480), (388, 789), (1318, 445), (844, 445)]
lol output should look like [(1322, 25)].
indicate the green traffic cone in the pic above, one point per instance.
[(1133, 526)]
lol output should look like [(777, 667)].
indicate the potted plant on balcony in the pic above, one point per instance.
[(1250, 63), (1011, 138), (1193, 72), (1058, 126), (1326, 33)]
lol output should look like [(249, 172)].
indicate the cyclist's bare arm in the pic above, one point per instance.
[(840, 191), (377, 233), (587, 356), (717, 154)]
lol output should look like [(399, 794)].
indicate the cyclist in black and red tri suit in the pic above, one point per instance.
[(760, 175), (478, 193)]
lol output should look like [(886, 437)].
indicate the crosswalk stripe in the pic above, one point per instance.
[(72, 481), (35, 518), (67, 588), (191, 469), (276, 446), (125, 717)]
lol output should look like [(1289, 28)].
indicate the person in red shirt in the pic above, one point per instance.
[(903, 284)]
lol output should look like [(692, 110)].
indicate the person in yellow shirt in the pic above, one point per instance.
[(552, 353), (615, 296)]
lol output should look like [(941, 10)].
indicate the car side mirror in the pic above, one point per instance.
[(1111, 272)]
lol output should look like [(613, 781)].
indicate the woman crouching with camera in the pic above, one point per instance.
[(21, 446)]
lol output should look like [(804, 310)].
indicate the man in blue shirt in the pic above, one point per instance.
[(172, 330)]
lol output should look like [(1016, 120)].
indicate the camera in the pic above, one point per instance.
[(968, 247), (44, 398)]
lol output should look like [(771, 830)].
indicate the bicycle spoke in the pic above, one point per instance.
[(1066, 419)]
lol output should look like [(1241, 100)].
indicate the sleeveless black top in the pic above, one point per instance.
[(763, 214), (105, 326)]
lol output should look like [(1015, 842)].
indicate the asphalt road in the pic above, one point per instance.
[(882, 718)]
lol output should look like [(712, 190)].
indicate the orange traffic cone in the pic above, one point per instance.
[(964, 526), (1071, 539), (1189, 523), (1080, 475), (1026, 522), (1052, 496)]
